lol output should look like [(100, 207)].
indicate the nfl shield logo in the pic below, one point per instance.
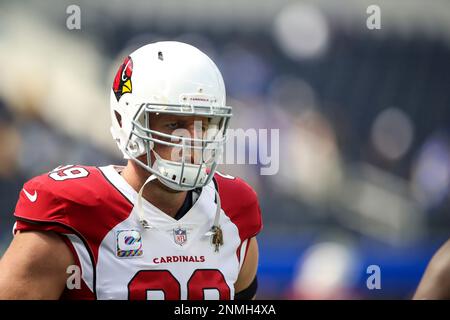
[(180, 236)]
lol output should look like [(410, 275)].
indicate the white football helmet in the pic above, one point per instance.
[(174, 78)]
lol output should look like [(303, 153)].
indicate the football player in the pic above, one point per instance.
[(165, 226), (435, 284)]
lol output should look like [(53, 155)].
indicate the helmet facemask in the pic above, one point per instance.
[(193, 160)]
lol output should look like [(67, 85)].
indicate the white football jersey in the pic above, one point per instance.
[(93, 208)]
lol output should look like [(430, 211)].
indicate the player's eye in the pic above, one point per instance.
[(172, 125)]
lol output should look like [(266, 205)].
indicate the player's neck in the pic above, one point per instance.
[(156, 193)]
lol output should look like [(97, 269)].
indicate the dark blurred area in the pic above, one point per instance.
[(363, 118)]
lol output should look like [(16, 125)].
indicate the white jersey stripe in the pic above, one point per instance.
[(242, 253), (85, 260)]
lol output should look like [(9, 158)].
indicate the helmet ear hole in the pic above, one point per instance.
[(136, 147)]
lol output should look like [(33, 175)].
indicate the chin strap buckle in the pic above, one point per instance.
[(216, 232), (217, 237)]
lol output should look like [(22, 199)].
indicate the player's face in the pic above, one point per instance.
[(180, 126)]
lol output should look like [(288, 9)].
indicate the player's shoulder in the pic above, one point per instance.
[(235, 188), (67, 182), (67, 173), (75, 196), (441, 259), (240, 203)]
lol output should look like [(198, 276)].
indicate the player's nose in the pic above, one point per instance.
[(195, 129)]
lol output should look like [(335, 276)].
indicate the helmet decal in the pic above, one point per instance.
[(122, 81)]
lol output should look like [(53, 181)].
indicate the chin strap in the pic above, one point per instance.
[(215, 232), (142, 219)]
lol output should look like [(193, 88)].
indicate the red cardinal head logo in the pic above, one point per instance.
[(122, 81)]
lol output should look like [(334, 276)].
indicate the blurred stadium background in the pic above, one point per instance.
[(363, 115)]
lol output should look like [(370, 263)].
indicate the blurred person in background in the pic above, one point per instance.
[(165, 226), (317, 279)]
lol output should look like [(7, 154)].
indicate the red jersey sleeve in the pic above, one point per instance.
[(72, 200), (240, 202), (38, 208)]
